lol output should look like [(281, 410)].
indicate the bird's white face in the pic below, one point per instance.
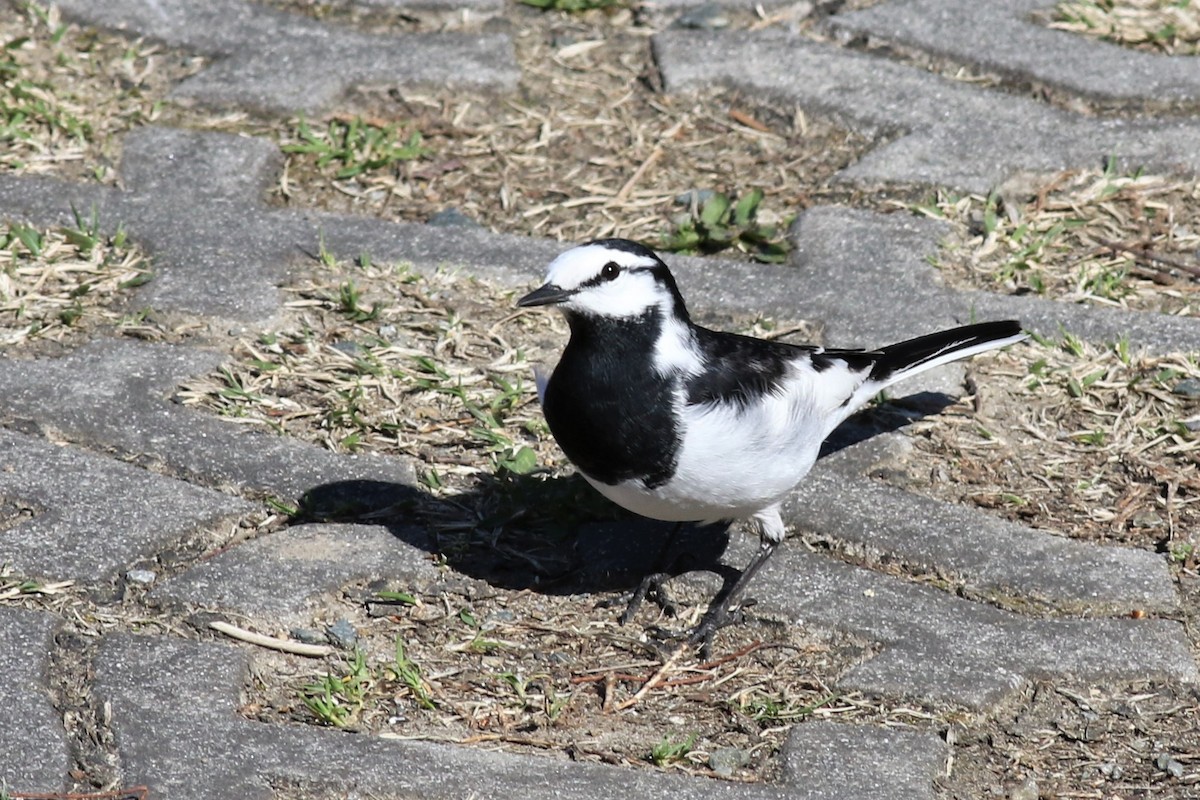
[(599, 279)]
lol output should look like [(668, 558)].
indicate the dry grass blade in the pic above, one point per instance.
[(1094, 236), (1096, 443), (1159, 26), (589, 150), (67, 94), (53, 283)]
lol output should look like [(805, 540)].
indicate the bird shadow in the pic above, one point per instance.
[(545, 533), (887, 417), (556, 535)]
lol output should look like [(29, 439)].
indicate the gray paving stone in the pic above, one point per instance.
[(220, 251), (213, 251), (986, 553), (938, 131), (182, 737), (34, 756), (941, 647), (867, 275), (1002, 36), (114, 394), (280, 62), (93, 515), (279, 577), (839, 760)]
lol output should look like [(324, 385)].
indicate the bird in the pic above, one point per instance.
[(677, 422)]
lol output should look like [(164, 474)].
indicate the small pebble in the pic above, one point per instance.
[(709, 16), (1169, 765), (501, 617), (1111, 770), (700, 196), (1188, 387), (1192, 424), (308, 636), (451, 216), (387, 331), (142, 576), (724, 760), (342, 634), (347, 347), (1146, 519)]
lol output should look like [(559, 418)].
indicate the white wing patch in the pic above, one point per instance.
[(676, 351)]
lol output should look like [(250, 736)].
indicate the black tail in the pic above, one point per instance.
[(925, 352)]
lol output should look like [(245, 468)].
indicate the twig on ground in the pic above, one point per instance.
[(271, 642), (1144, 255)]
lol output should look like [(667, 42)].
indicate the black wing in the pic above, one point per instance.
[(741, 369)]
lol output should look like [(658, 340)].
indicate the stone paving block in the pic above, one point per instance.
[(867, 274), (93, 515), (832, 760), (280, 62), (213, 250), (34, 756), (941, 647), (848, 264), (114, 394), (220, 251), (178, 732), (938, 131), (988, 553), (282, 575), (1002, 36)]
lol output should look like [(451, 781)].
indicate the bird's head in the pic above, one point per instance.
[(613, 278)]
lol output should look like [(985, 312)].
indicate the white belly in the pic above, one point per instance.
[(732, 464)]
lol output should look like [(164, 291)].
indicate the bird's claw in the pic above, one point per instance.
[(654, 587), (718, 617)]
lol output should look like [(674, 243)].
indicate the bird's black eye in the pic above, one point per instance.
[(610, 271)]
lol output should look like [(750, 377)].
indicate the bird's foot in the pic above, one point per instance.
[(654, 587), (718, 617)]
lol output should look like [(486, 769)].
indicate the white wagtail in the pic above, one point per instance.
[(677, 422)]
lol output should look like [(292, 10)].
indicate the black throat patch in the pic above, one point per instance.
[(610, 411)]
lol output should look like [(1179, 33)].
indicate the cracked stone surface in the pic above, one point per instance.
[(104, 469), (168, 737), (92, 515), (116, 395), (933, 124), (317, 559), (978, 548), (1002, 36), (946, 648), (33, 745), (221, 252), (280, 62)]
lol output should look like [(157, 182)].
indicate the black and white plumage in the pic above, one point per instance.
[(677, 422)]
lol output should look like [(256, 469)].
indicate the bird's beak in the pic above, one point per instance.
[(547, 295)]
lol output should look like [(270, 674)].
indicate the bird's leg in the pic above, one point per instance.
[(653, 585), (726, 609)]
